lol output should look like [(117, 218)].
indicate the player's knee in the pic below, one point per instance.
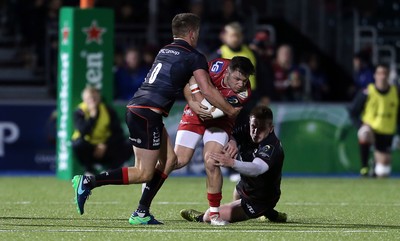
[(181, 163), (145, 176), (382, 170), (365, 134)]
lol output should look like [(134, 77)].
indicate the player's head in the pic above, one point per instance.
[(381, 76), (232, 35), (186, 26), (260, 121), (238, 73), (91, 97)]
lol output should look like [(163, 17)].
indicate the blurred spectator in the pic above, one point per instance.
[(149, 54), (233, 45), (227, 13), (198, 7), (131, 12), (264, 51), (363, 72), (98, 137), (315, 79), (262, 45), (130, 76), (288, 80)]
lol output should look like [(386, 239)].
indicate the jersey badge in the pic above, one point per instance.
[(266, 151), (243, 94), (217, 67)]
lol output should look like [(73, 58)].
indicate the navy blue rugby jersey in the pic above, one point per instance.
[(171, 71), (265, 187)]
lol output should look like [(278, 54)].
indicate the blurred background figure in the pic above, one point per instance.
[(316, 86), (375, 110), (363, 71), (288, 81), (98, 141), (234, 45), (264, 52), (130, 75)]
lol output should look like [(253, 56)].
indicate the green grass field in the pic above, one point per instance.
[(42, 208)]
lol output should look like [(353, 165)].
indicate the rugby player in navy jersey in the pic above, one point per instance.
[(260, 166), (231, 78), (174, 65)]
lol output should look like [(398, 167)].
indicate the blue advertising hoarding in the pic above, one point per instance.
[(27, 137)]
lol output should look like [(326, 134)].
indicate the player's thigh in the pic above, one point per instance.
[(383, 144), (233, 212), (146, 135), (167, 155), (146, 159), (145, 128), (214, 141), (185, 144)]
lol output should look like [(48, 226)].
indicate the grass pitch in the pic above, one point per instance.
[(42, 208)]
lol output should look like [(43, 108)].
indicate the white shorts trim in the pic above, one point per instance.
[(187, 139), (217, 135)]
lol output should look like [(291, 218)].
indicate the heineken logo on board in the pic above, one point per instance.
[(65, 34), (94, 33)]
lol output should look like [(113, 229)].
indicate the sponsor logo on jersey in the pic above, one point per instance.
[(243, 94), (217, 66), (250, 208), (169, 51), (266, 151), (233, 100), (156, 138), (138, 140)]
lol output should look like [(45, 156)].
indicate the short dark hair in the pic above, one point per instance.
[(382, 65), (183, 23), (263, 113), (242, 64)]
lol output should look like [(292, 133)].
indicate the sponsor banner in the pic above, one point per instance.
[(318, 139), (85, 58), (27, 137)]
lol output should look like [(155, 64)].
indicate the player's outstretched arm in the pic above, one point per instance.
[(252, 169)]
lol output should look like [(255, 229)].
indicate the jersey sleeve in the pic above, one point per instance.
[(199, 62)]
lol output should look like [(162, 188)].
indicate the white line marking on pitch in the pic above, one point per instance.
[(199, 203), (196, 231)]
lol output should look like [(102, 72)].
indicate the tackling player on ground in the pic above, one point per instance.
[(231, 78), (260, 166)]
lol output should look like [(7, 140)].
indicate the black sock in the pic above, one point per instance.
[(200, 218), (272, 214), (364, 152), (116, 177), (151, 190)]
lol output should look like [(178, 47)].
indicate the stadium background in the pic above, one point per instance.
[(317, 135)]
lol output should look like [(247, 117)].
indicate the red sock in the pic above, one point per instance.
[(214, 200)]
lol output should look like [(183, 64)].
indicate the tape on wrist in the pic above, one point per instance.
[(206, 103), (217, 113), (194, 88)]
